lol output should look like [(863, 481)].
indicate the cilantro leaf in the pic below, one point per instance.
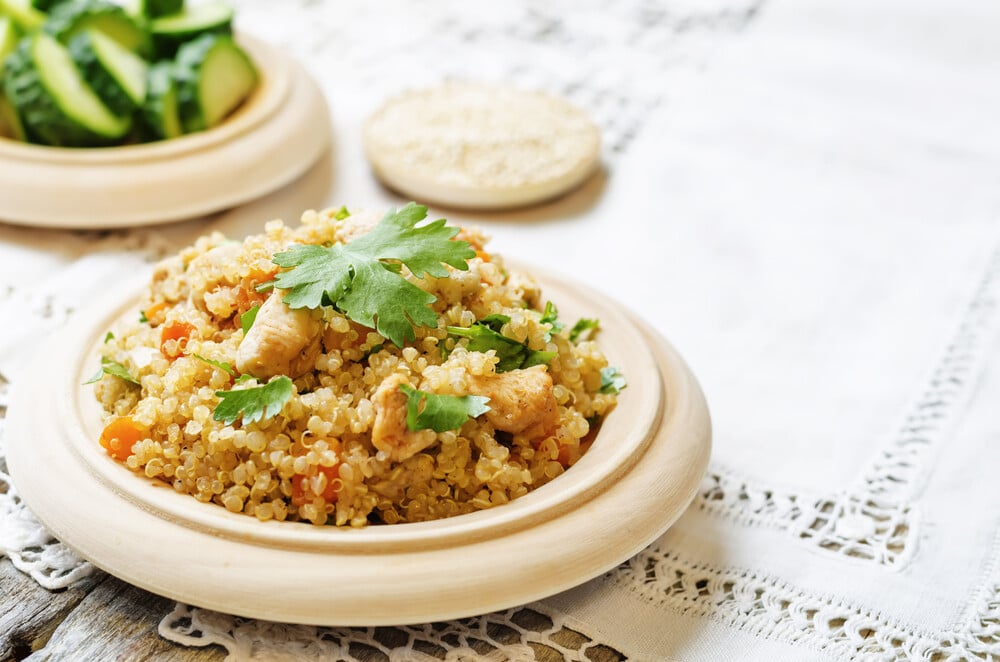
[(222, 365), (109, 337), (495, 321), (248, 318), (142, 317), (429, 411), (612, 380), (512, 354), (550, 316), (341, 214), (583, 326), (362, 277), (255, 403), (113, 368)]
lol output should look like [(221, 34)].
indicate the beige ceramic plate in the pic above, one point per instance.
[(275, 136), (635, 481)]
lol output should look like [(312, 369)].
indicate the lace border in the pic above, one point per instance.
[(873, 521), (768, 607), (521, 633)]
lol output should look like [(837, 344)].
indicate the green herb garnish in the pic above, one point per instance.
[(222, 365), (108, 337), (142, 317), (341, 214), (429, 411), (255, 403), (612, 380), (582, 327), (513, 355), (248, 318), (550, 316), (362, 278), (113, 368)]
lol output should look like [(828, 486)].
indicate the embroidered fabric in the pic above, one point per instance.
[(768, 607), (26, 543), (875, 520), (808, 594)]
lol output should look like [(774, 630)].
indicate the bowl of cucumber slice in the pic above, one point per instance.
[(114, 115)]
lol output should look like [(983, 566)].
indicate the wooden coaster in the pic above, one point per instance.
[(481, 146)]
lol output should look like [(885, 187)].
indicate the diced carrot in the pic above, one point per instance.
[(302, 493), (465, 235), (157, 313), (247, 295), (120, 435), (484, 256), (177, 332)]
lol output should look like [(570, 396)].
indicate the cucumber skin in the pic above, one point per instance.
[(157, 8), (10, 123), (67, 15), (159, 83), (104, 85), (44, 121), (187, 71), (166, 45)]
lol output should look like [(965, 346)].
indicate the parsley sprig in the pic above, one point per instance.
[(485, 335), (429, 411), (362, 278), (255, 403), (612, 380), (113, 368)]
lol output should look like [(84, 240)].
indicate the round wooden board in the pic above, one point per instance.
[(481, 146), (273, 138), (640, 474)]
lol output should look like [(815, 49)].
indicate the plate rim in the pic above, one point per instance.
[(682, 433)]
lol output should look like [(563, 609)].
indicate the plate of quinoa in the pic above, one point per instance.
[(369, 405)]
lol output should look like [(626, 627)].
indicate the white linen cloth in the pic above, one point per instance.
[(803, 196)]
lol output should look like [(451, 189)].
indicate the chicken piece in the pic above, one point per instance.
[(282, 341), (521, 401), (390, 432)]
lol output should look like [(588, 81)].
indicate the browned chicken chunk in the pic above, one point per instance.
[(521, 401), (390, 432), (282, 341)]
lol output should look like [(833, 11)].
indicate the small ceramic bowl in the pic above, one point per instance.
[(639, 475), (274, 137)]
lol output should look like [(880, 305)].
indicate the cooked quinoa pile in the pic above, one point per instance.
[(222, 390)]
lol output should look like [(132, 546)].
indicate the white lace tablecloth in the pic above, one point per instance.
[(804, 196)]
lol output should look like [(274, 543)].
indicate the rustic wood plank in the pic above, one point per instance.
[(117, 621), (29, 613)]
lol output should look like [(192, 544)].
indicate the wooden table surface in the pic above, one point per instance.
[(99, 618)]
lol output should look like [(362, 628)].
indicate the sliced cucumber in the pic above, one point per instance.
[(214, 76), (114, 73), (9, 36), (156, 8), (170, 32), (73, 17), (158, 118), (27, 17), (54, 103), (10, 123)]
